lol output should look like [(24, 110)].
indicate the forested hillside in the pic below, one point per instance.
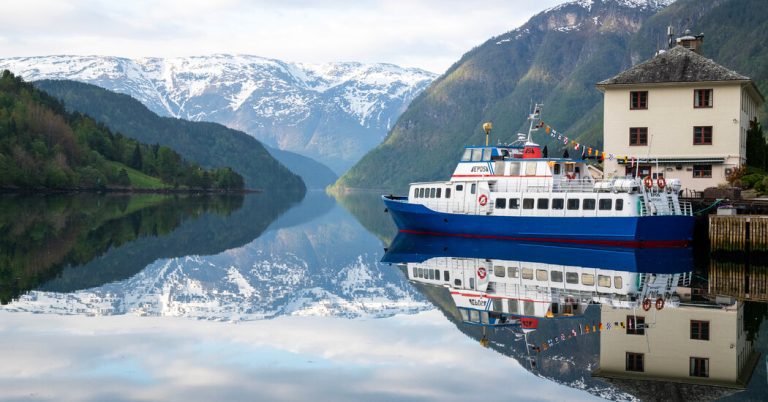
[(555, 58), (44, 147), (209, 144)]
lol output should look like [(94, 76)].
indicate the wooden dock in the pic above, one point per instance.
[(738, 232), (741, 280)]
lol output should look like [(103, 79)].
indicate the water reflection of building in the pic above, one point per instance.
[(697, 342)]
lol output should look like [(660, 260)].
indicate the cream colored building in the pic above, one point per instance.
[(666, 350), (681, 115)]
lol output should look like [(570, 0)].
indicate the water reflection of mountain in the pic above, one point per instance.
[(40, 236), (518, 300), (367, 208), (325, 264)]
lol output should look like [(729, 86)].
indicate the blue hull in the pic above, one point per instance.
[(646, 231)]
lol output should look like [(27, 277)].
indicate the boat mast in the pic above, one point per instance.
[(534, 117)]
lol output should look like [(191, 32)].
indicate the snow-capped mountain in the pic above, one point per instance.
[(333, 112)]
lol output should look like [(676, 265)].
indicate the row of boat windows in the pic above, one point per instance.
[(528, 273), (476, 154), (557, 276), (431, 192), (605, 204)]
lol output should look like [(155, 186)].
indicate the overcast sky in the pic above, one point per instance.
[(430, 34)]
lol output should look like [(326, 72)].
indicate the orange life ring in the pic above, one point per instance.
[(482, 200), (481, 273), (661, 182), (648, 181), (659, 303), (646, 304)]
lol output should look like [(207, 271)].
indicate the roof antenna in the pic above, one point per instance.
[(670, 37)]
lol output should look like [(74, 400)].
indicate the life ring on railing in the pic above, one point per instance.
[(659, 303), (481, 273), (648, 182), (482, 200), (661, 182), (570, 176), (646, 304)]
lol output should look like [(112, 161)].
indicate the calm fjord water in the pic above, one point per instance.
[(245, 298)]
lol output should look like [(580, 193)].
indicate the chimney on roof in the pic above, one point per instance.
[(691, 42)]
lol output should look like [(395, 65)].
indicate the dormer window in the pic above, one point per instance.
[(638, 100), (702, 98)]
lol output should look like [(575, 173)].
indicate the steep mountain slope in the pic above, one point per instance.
[(315, 175), (556, 57), (209, 144), (43, 148), (331, 112)]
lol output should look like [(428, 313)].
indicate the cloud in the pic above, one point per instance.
[(429, 34)]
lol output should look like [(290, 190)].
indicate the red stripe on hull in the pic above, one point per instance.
[(609, 243)]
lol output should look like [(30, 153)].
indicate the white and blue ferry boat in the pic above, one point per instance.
[(514, 192)]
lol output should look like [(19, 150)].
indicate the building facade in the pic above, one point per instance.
[(678, 115)]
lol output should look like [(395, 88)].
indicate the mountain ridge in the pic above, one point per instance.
[(331, 112)]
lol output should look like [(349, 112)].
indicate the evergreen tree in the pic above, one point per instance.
[(136, 162), (756, 146)]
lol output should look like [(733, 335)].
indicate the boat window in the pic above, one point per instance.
[(459, 187), (431, 274), (527, 203), (421, 273), (617, 282), (514, 169), (556, 276), (541, 275), (558, 203), (447, 193), (528, 307), (512, 272), (589, 204), (477, 155), (467, 155), (514, 203), (542, 203), (432, 192), (571, 277), (439, 191), (415, 193), (573, 204), (437, 274), (446, 276), (464, 314), (457, 282), (605, 204), (530, 168), (415, 271), (484, 317), (588, 279), (486, 154), (474, 316), (557, 168), (604, 281), (501, 203), (498, 305), (499, 271), (473, 188), (512, 306), (619, 205), (527, 273), (471, 283)]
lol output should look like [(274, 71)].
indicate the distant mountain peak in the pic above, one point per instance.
[(333, 112)]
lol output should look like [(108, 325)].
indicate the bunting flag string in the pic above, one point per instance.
[(583, 329), (586, 149)]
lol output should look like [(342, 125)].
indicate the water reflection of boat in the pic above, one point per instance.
[(697, 341)]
